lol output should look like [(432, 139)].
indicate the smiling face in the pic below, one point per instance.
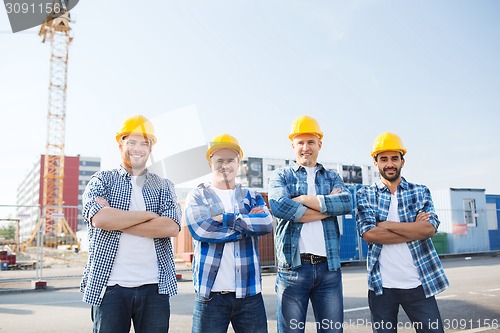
[(306, 147), (135, 150), (389, 164), (224, 164)]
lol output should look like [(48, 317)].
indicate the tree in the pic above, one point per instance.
[(8, 232)]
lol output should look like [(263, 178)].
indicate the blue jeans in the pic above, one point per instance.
[(214, 314), (295, 287), (149, 310), (423, 312)]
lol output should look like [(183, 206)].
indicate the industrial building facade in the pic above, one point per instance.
[(77, 173), (256, 171)]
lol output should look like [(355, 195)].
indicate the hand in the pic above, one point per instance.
[(336, 191), (383, 224), (299, 198), (423, 217), (257, 210), (217, 218), (101, 201)]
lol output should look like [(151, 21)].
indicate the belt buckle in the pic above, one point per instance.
[(313, 261), (225, 292)]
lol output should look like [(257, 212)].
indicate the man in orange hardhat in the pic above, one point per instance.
[(306, 198), (225, 220), (397, 219), (131, 215)]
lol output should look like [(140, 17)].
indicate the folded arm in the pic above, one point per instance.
[(420, 229), (158, 227), (321, 206), (138, 223), (204, 226)]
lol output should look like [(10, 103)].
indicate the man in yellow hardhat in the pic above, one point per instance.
[(131, 215), (306, 198), (397, 219), (225, 220)]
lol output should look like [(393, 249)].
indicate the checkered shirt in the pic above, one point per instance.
[(115, 186), (373, 206), (209, 237), (290, 182)]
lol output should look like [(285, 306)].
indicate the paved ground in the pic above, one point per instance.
[(472, 304)]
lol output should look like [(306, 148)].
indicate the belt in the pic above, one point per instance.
[(312, 258), (222, 292)]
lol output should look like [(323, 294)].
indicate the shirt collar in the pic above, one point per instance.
[(124, 173), (296, 167), (403, 185)]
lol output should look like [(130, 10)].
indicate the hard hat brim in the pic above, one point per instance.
[(220, 146)]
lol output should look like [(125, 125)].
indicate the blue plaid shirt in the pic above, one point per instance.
[(290, 182), (209, 237), (115, 186), (373, 206)]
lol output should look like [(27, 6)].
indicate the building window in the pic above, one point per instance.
[(90, 163), (470, 212)]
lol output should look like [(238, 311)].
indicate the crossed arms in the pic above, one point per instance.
[(388, 232), (313, 207), (138, 223)]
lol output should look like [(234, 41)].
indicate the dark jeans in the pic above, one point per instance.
[(295, 287), (423, 312), (213, 314), (149, 311)]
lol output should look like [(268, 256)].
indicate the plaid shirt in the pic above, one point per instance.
[(209, 237), (373, 206), (115, 186), (291, 181)]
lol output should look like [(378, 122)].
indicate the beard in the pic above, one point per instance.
[(391, 178)]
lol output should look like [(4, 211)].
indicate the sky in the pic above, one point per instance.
[(427, 70)]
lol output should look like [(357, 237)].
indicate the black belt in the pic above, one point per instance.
[(222, 292), (312, 258)]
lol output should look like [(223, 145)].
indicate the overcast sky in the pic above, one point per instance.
[(427, 70)]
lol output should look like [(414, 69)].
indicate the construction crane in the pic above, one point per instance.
[(53, 227)]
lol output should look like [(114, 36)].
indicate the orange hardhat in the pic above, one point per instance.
[(137, 124), (303, 125), (224, 141), (387, 142)]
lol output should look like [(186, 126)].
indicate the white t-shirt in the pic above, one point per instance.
[(396, 263), (136, 263), (312, 237), (226, 276)]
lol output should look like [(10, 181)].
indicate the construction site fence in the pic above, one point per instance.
[(455, 235)]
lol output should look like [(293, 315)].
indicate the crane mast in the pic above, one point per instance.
[(53, 224)]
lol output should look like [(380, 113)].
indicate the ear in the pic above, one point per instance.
[(320, 144)]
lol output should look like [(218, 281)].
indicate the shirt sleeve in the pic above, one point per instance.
[(336, 204), (281, 203), (366, 215), (429, 207), (169, 205), (95, 188)]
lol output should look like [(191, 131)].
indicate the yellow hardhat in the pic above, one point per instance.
[(303, 125), (387, 142), (224, 141), (137, 124)]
